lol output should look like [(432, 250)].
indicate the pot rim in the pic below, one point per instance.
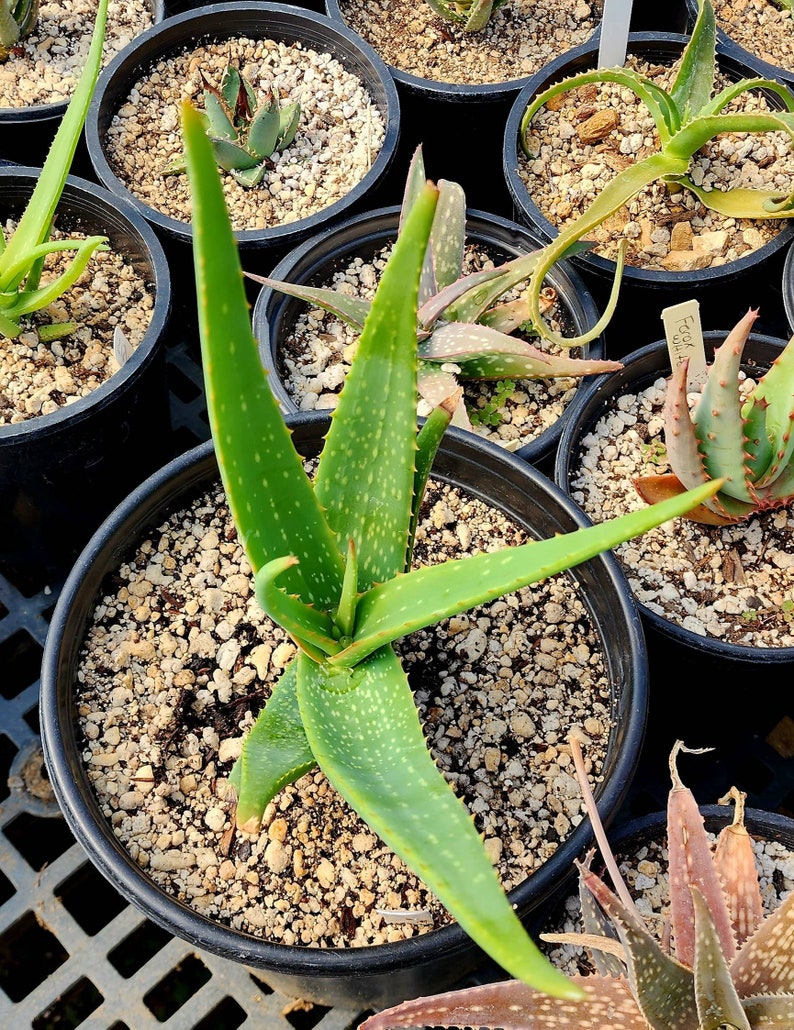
[(788, 288), (605, 267), (653, 360), (80, 807), (374, 226), (81, 192), (178, 30)]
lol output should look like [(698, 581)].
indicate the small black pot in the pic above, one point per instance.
[(788, 289), (27, 132), (641, 287), (355, 977), (682, 661), (258, 20), (766, 68), (363, 236), (61, 473)]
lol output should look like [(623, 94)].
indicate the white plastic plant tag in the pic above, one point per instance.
[(685, 339), (614, 33)]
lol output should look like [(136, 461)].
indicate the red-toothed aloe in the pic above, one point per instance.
[(17, 20), (687, 117), (730, 966), (464, 333), (331, 558), (473, 15), (743, 437), (22, 256)]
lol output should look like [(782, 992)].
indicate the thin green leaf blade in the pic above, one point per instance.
[(384, 771), (270, 496), (366, 471), (694, 83), (352, 310)]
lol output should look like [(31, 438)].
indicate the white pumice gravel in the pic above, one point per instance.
[(764, 28), (732, 583), (315, 355), (521, 37), (45, 65), (37, 378), (340, 133), (179, 656), (644, 870), (666, 230)]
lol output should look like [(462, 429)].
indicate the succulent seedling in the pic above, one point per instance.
[(331, 557), (245, 132), (17, 20), (22, 255), (463, 331), (741, 436), (473, 15), (729, 964), (687, 117)]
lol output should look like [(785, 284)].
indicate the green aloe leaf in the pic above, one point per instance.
[(694, 83), (230, 155), (265, 129), (270, 495), (774, 398), (313, 630), (718, 1003), (466, 299), (365, 476), (34, 225), (384, 771), (735, 89), (34, 300), (425, 596), (219, 123), (352, 310), (275, 753), (448, 238), (428, 441), (289, 119)]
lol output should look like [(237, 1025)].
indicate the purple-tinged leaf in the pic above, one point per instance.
[(448, 237), (772, 1012), (764, 964)]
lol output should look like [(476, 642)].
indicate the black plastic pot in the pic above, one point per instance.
[(258, 20), (27, 132), (642, 287), (314, 261), (355, 977), (768, 70), (788, 289), (61, 473)]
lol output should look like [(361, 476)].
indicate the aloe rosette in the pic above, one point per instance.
[(17, 20), (331, 557), (22, 255), (473, 15), (464, 328), (728, 966), (743, 437), (687, 117)]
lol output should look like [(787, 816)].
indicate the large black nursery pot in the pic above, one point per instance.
[(788, 290), (703, 689), (62, 473), (642, 288), (363, 236), (356, 977), (27, 132)]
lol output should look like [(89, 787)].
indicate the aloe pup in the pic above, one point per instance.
[(22, 256), (687, 117), (473, 15), (17, 20), (729, 965), (331, 558), (245, 132), (743, 437), (464, 332)]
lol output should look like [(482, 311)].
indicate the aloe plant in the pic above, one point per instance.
[(741, 436), (460, 322), (331, 559), (17, 20), (22, 255), (245, 132), (687, 117), (730, 965), (473, 15)]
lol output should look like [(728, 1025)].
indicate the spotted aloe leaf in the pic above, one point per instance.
[(20, 256), (687, 117), (473, 15), (17, 20), (734, 860)]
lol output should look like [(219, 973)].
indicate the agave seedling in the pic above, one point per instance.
[(743, 436), (17, 20), (687, 117), (460, 323), (730, 965), (244, 131), (22, 255), (473, 15), (331, 559)]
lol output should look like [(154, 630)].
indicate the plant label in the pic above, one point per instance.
[(685, 339)]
